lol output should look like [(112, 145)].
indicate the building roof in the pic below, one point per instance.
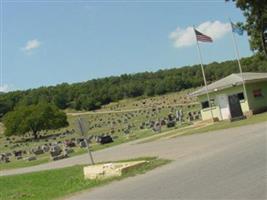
[(230, 81)]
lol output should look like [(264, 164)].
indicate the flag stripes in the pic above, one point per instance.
[(201, 37)]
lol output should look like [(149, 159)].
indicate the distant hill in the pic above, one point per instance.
[(94, 93)]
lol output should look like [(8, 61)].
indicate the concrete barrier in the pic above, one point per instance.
[(107, 170)]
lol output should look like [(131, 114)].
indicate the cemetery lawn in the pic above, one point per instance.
[(227, 124), (78, 151), (259, 118), (54, 184), (125, 121)]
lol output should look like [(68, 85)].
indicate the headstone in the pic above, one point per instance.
[(45, 148), (67, 151), (31, 158), (38, 151), (82, 144), (170, 121), (17, 153), (18, 157), (69, 143), (105, 139), (55, 150), (157, 127)]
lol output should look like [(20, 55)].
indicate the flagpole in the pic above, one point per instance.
[(238, 61), (204, 77)]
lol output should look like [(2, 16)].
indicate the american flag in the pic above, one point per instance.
[(201, 37)]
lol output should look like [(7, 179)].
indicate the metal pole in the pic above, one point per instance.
[(239, 64), (204, 77), (87, 145)]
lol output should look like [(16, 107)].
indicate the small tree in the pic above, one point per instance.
[(33, 119)]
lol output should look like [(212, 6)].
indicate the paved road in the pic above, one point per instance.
[(229, 164)]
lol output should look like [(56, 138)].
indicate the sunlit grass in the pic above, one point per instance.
[(52, 184)]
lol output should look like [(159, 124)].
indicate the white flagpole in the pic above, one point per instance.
[(204, 77), (238, 60)]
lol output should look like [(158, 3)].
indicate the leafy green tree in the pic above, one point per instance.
[(33, 119), (255, 12), (94, 93), (4, 107)]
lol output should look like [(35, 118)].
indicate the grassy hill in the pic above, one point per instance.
[(125, 120)]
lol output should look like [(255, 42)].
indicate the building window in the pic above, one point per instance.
[(257, 93), (241, 96), (205, 104)]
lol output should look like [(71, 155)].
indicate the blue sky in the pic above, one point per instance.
[(47, 43)]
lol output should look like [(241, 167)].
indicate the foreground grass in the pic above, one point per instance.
[(58, 183)]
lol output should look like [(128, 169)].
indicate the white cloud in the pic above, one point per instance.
[(31, 44), (4, 88), (186, 37)]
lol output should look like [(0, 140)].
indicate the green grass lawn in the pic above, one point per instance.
[(101, 123), (146, 134), (22, 163), (212, 127), (78, 151), (227, 124), (53, 184)]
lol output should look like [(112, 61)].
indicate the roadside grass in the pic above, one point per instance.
[(227, 124), (54, 184), (189, 130), (23, 163), (166, 133)]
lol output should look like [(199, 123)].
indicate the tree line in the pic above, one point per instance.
[(92, 94)]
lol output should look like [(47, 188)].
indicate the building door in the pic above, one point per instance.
[(224, 106), (235, 107)]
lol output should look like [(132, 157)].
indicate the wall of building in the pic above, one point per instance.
[(257, 104), (206, 114)]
